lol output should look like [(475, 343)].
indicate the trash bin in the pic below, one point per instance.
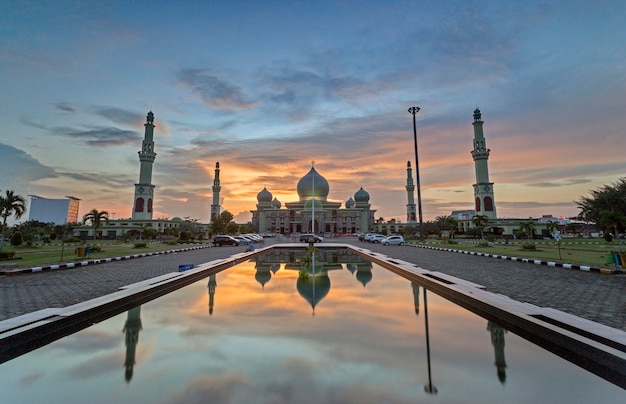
[(184, 267), (618, 261), (80, 252)]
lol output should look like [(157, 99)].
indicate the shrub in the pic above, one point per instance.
[(608, 237), (96, 248), (7, 254), (529, 247), (17, 239), (140, 244), (450, 241), (484, 244)]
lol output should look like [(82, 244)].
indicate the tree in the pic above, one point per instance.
[(527, 229), (447, 223), (96, 216), (552, 227), (610, 220), (480, 222), (219, 224), (11, 204), (611, 198)]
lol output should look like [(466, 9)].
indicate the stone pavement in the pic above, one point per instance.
[(591, 295)]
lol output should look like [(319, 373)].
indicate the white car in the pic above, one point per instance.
[(393, 240), (376, 238)]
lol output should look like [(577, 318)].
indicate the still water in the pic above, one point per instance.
[(267, 331)]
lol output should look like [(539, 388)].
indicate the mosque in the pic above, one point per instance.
[(313, 212)]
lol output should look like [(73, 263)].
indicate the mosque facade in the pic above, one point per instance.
[(313, 212)]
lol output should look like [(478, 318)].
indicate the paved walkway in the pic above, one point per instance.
[(594, 296)]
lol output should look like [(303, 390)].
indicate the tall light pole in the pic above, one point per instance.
[(415, 110)]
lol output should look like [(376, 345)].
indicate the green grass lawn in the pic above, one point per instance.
[(581, 254), (27, 257)]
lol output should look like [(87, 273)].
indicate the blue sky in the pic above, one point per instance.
[(266, 87)]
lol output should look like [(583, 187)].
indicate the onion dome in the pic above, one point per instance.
[(350, 203), (276, 204), (263, 276), (310, 183), (313, 291), (318, 204), (361, 196), (364, 274), (264, 196)]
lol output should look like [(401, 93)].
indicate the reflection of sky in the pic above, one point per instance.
[(263, 344)]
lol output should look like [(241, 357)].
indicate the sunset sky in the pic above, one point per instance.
[(266, 87)]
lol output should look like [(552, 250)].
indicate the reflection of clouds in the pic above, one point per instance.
[(96, 340), (94, 367), (30, 379), (207, 389)]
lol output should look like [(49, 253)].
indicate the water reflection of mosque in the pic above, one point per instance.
[(313, 288), (313, 283)]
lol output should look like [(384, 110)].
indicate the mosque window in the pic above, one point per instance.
[(139, 205), (478, 205), (150, 205), (488, 204)]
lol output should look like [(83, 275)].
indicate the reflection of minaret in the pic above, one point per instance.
[(144, 190), (211, 286), (131, 328), (410, 206), (215, 206), (497, 340), (416, 296), (483, 189)]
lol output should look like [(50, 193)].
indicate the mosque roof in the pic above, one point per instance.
[(361, 196), (312, 183), (264, 196), (350, 203)]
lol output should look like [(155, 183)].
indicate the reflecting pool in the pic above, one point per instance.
[(284, 329)]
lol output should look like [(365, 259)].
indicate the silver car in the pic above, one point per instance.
[(393, 240)]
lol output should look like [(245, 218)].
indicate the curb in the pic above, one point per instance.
[(94, 261), (529, 260)]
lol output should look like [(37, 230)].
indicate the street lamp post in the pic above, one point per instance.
[(413, 111)]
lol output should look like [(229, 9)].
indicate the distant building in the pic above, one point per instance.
[(57, 211)]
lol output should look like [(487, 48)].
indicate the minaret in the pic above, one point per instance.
[(497, 340), (215, 206), (131, 329), (483, 189), (144, 190), (410, 206)]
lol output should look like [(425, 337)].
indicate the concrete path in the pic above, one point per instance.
[(591, 295)]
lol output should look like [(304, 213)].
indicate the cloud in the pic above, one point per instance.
[(19, 167), (64, 106), (214, 91), (100, 136), (118, 115)]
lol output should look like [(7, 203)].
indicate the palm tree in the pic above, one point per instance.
[(11, 204), (527, 229), (95, 217), (480, 222), (552, 227)]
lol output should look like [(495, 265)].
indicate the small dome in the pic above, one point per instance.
[(177, 219), (264, 196), (318, 204), (350, 203), (361, 196), (313, 182), (276, 204)]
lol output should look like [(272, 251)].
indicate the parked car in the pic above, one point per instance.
[(224, 240), (243, 240), (376, 238), (393, 240), (310, 238)]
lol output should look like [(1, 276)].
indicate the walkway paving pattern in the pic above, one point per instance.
[(591, 295)]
